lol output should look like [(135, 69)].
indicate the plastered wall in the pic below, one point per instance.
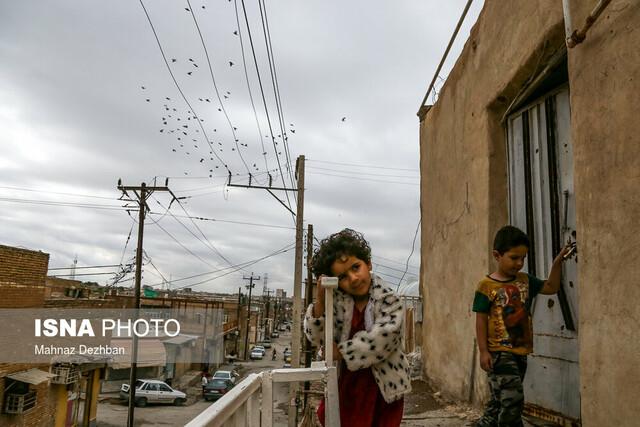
[(604, 74), (464, 193)]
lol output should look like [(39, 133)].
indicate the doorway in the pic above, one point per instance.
[(542, 203)]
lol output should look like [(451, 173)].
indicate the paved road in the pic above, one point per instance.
[(113, 413)]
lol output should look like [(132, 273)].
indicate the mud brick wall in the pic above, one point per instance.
[(43, 414), (22, 277)]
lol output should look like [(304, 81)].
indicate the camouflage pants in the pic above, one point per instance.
[(507, 399)]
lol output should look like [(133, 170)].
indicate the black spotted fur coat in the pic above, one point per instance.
[(380, 346)]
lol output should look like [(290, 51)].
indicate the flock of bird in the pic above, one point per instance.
[(187, 130)]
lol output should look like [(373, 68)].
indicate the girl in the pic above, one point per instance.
[(373, 372)]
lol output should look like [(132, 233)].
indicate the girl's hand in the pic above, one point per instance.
[(318, 309), (336, 353), (321, 293)]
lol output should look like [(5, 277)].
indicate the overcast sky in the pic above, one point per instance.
[(96, 91)]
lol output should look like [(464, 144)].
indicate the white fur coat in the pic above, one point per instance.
[(380, 346)]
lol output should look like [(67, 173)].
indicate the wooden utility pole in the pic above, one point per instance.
[(246, 337), (144, 193), (307, 300), (296, 328)]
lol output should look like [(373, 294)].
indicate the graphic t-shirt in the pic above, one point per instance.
[(508, 304)]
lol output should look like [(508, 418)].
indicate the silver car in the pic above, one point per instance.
[(153, 391)]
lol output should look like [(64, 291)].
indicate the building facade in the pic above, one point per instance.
[(529, 132)]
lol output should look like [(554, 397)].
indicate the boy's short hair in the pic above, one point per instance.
[(509, 237), (338, 245)]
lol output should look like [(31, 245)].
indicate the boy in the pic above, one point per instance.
[(373, 372), (503, 324)]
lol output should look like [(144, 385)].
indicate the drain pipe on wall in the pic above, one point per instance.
[(576, 37)]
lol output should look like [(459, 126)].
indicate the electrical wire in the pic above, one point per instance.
[(199, 218), (215, 86), (362, 166), (412, 249), (67, 204), (365, 179), (361, 173), (240, 266), (246, 76), (264, 100), (164, 57)]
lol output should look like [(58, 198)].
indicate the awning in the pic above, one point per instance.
[(179, 339), (150, 353), (32, 376)]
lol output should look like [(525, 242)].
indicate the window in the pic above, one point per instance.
[(18, 397)]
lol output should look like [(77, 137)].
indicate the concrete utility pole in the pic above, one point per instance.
[(145, 193), (246, 337)]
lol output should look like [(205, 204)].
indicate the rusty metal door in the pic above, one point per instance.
[(542, 202)]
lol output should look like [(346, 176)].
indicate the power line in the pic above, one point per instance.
[(243, 265), (79, 268), (66, 204), (412, 249), (215, 86), (264, 100), (368, 174), (199, 218), (57, 192), (164, 57), (364, 166), (365, 179)]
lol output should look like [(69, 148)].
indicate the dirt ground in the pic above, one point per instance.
[(421, 399)]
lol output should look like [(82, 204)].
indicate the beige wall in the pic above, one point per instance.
[(462, 144), (605, 114)]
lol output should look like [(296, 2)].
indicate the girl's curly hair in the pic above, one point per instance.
[(339, 245)]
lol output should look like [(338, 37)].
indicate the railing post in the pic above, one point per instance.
[(329, 283), (332, 405), (267, 399)]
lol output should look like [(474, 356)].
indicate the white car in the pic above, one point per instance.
[(153, 391), (256, 353), (261, 348), (226, 375)]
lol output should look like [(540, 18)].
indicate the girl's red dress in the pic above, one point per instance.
[(361, 403)]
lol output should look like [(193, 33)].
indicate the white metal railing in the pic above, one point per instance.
[(250, 403)]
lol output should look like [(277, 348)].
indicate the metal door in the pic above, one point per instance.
[(542, 203)]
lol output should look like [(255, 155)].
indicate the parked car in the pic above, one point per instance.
[(225, 375), (266, 343), (216, 388), (275, 334), (286, 355), (256, 353), (261, 348), (153, 391), (283, 328)]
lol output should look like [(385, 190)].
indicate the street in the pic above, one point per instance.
[(112, 412)]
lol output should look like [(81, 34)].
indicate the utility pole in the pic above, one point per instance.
[(246, 337), (267, 306), (235, 348), (296, 328), (144, 193), (307, 300)]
